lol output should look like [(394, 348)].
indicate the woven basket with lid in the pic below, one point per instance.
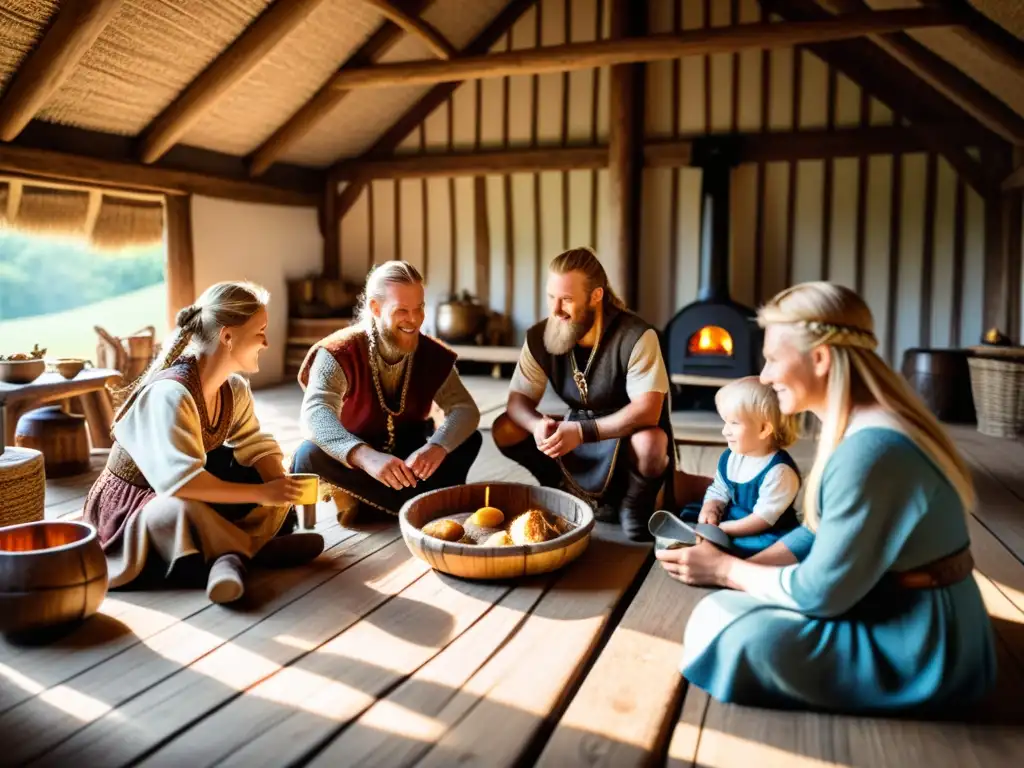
[(997, 383), (22, 486)]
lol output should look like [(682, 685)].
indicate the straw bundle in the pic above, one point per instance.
[(21, 25), (122, 222), (52, 211)]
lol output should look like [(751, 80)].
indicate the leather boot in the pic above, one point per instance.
[(638, 505)]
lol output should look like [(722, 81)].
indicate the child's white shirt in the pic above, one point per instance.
[(777, 492)]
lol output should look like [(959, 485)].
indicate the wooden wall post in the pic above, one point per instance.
[(331, 227), (1000, 297), (625, 153), (181, 283)]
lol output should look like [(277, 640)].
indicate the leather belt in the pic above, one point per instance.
[(938, 573)]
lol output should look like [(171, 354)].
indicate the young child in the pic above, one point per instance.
[(752, 495)]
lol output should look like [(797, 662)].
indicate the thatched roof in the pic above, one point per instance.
[(147, 53), (152, 49)]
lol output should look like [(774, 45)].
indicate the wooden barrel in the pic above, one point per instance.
[(474, 561), (942, 378), (63, 439), (52, 573)]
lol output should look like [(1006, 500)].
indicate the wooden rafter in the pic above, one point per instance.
[(233, 65), (943, 76), (92, 213), (599, 53), (981, 31), (903, 92), (754, 147), (100, 172), (434, 98), (75, 28), (415, 25), (328, 97)]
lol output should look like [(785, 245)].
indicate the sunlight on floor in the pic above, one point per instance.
[(1014, 595), (718, 749), (67, 700), (394, 719)]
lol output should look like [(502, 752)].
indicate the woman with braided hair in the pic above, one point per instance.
[(192, 482), (882, 615)]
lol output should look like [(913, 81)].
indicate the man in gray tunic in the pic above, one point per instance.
[(369, 391), (614, 448)]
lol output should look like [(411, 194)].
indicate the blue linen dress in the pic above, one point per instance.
[(825, 634), (744, 498)]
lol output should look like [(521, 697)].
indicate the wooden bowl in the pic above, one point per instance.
[(474, 561), (21, 371), (51, 573), (68, 367)]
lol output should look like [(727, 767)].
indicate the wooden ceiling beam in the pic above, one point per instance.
[(101, 172), (630, 50), (754, 147), (434, 98), (944, 127), (74, 29), (328, 97), (981, 31), (415, 25), (227, 70), (946, 78)]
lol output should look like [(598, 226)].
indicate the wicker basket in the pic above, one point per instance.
[(997, 382), (22, 486)]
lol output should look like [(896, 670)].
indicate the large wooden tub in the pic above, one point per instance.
[(474, 561), (51, 573)]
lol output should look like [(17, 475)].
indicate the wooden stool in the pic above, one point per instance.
[(22, 486), (63, 439)]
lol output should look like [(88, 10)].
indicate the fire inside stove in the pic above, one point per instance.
[(711, 340)]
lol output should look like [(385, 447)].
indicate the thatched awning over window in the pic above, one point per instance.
[(109, 221), (52, 211), (122, 222)]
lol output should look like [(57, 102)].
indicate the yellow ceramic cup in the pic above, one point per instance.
[(310, 487)]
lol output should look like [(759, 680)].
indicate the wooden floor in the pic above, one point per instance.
[(367, 657)]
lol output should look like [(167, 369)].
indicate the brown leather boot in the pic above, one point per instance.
[(289, 551)]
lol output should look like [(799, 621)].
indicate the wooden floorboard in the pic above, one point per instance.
[(369, 658), (123, 681)]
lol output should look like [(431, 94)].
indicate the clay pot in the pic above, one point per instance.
[(52, 573), (459, 320)]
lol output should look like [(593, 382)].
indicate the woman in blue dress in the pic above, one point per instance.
[(882, 616)]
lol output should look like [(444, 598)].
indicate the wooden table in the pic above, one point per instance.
[(89, 385)]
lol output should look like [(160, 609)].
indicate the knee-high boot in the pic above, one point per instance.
[(638, 504)]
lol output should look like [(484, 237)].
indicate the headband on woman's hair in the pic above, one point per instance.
[(840, 335)]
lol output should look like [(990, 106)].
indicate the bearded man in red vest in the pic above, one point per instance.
[(369, 390)]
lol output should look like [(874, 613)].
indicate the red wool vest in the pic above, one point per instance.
[(361, 413)]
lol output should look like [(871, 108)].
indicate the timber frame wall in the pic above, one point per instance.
[(507, 172)]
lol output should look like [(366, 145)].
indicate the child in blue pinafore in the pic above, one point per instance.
[(752, 496)]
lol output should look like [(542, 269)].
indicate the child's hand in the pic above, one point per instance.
[(711, 515)]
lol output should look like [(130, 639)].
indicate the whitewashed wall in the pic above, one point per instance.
[(267, 244)]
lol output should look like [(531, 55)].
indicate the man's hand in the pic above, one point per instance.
[(424, 461), (388, 469), (565, 439), (544, 429), (710, 513)]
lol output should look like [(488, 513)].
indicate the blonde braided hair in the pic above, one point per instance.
[(822, 313), (222, 305)]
